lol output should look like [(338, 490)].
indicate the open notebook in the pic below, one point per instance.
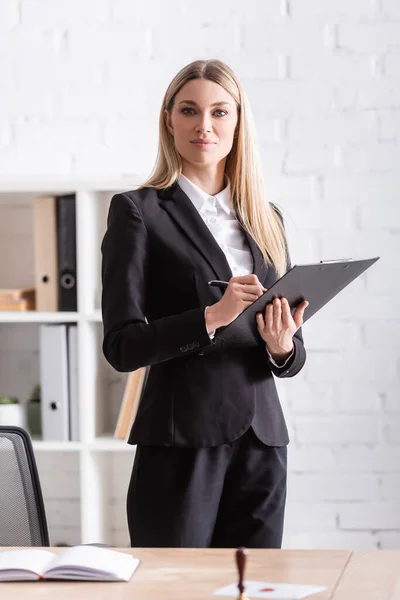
[(85, 563)]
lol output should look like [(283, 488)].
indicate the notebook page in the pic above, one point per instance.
[(31, 560), (91, 559)]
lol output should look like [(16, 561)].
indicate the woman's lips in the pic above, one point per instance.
[(204, 145)]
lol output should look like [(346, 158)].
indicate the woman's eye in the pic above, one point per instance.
[(221, 111), (187, 111)]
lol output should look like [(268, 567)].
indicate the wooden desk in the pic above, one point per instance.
[(193, 574)]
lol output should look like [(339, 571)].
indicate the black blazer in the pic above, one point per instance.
[(157, 258)]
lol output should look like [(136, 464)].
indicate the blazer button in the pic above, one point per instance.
[(196, 344), (183, 348)]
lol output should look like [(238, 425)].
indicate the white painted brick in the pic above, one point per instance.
[(285, 97), (313, 398), (384, 335), (321, 334), (361, 245), (359, 189), (374, 515), (285, 188), (366, 366), (373, 459), (388, 540), (386, 217), (305, 459), (369, 157), (335, 127), (108, 41), (310, 159), (356, 397), (341, 540), (28, 161), (283, 36), (9, 16), (392, 64), (68, 134), (337, 430), (369, 37), (338, 68), (392, 430), (311, 517), (312, 9), (384, 95), (6, 134), (321, 217), (390, 486), (390, 9), (55, 13), (391, 400), (389, 122), (38, 103), (332, 487), (35, 70), (126, 160)]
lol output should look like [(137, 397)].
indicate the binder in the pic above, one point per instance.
[(130, 402), (317, 283), (45, 253), (72, 343), (54, 382), (66, 252)]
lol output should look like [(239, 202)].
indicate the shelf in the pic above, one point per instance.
[(95, 317), (108, 443), (56, 446), (32, 316)]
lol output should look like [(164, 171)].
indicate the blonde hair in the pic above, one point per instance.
[(260, 218)]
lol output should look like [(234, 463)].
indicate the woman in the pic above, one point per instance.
[(210, 465)]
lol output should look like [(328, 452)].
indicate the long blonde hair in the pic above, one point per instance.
[(257, 215)]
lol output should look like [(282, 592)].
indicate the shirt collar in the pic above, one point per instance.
[(199, 197)]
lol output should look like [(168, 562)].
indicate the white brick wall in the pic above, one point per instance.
[(81, 88)]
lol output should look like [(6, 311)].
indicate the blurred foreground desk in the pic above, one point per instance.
[(193, 574)]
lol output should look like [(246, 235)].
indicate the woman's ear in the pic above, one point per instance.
[(167, 117)]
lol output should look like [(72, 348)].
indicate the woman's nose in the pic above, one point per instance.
[(204, 124)]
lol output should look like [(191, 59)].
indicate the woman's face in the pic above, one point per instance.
[(203, 122)]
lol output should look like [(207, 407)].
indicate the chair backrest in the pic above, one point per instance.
[(22, 515)]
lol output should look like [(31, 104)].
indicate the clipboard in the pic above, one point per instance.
[(317, 283)]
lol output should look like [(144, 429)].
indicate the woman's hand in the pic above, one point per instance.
[(239, 294), (277, 326)]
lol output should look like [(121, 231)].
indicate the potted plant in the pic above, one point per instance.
[(12, 411), (34, 412)]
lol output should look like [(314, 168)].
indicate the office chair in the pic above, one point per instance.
[(22, 515)]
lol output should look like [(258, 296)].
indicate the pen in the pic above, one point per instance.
[(218, 283)]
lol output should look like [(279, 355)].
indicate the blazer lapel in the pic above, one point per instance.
[(260, 267), (181, 209)]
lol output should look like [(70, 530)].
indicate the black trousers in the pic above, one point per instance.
[(221, 497)]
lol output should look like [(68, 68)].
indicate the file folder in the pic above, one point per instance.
[(54, 382), (66, 253), (317, 283), (45, 251), (72, 342)]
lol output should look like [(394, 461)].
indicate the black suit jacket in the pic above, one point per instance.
[(157, 258)]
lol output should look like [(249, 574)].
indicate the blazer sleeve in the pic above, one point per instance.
[(298, 359), (129, 341)]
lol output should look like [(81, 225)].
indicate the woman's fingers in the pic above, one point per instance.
[(299, 314)]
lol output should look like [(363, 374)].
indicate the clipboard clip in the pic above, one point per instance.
[(334, 260)]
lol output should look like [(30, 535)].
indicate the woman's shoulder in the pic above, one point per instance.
[(139, 194)]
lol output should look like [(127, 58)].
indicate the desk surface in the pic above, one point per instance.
[(193, 574)]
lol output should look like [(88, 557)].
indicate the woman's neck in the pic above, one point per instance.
[(210, 179)]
